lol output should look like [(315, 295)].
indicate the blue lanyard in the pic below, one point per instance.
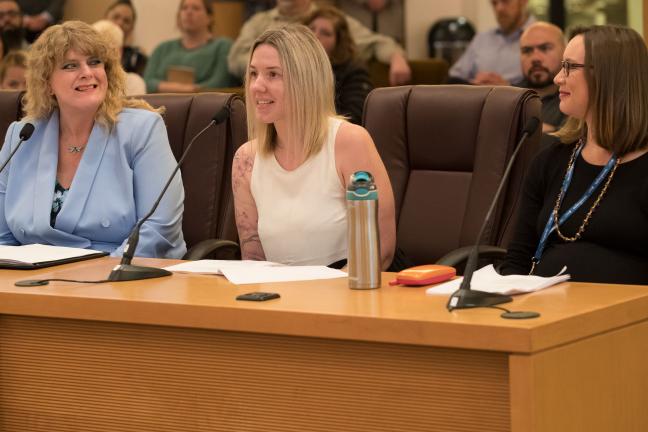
[(550, 226)]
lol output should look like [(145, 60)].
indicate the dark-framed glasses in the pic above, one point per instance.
[(568, 66)]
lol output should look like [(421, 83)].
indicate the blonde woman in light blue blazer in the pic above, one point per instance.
[(96, 161)]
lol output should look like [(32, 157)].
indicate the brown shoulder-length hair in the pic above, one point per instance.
[(616, 61), (345, 48), (48, 52)]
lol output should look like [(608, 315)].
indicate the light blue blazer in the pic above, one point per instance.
[(121, 173)]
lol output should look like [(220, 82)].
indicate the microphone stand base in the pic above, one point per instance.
[(127, 272), (465, 299)]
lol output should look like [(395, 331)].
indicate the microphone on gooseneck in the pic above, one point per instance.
[(25, 133), (464, 297), (125, 271)]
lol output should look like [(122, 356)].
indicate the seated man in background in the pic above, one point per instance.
[(493, 56), (382, 16), (541, 50), (370, 44), (11, 26)]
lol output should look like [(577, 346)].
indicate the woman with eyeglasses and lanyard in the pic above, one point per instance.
[(585, 201)]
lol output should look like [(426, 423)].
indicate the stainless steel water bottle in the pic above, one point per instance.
[(363, 238)]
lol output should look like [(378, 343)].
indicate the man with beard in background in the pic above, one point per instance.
[(492, 56), (11, 29), (541, 50)]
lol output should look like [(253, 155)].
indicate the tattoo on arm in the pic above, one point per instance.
[(245, 207)]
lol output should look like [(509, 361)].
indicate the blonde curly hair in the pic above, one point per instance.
[(49, 51)]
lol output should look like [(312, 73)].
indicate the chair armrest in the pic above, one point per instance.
[(220, 249), (459, 257)]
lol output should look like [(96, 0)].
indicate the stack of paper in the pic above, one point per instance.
[(247, 272), (32, 256), (487, 279), (217, 266)]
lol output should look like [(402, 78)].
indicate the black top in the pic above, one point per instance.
[(551, 113), (60, 193), (614, 246), (133, 60), (352, 86)]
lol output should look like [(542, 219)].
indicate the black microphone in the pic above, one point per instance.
[(125, 271), (464, 297), (25, 133)]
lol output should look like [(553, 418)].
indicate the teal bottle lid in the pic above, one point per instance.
[(361, 187)]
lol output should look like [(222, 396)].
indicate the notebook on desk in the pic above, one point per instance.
[(35, 256)]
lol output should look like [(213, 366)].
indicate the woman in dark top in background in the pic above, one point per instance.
[(601, 164), (122, 13), (352, 83)]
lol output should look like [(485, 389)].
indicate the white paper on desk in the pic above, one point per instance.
[(487, 279), (217, 266), (262, 274), (39, 253)]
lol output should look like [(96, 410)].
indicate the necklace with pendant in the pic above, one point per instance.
[(75, 149)]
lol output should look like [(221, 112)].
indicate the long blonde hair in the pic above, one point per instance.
[(49, 51), (616, 61), (308, 85)]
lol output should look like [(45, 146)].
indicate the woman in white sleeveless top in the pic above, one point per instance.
[(290, 179)]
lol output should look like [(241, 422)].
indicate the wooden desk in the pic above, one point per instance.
[(180, 354)]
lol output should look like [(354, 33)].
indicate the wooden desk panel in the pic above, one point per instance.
[(62, 375), (595, 384), (179, 353)]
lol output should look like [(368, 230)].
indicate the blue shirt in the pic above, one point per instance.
[(492, 51)]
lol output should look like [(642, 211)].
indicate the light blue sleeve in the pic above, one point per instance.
[(6, 237), (160, 236)]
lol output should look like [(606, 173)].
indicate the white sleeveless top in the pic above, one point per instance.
[(302, 213)]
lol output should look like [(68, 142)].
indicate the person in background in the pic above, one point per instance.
[(135, 84), (493, 56), (40, 14), (352, 83), (96, 161), (254, 6), (12, 71), (289, 181), (381, 16), (585, 200), (541, 49), (197, 52), (122, 13), (11, 29), (370, 45)]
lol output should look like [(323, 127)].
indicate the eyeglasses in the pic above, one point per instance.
[(568, 66)]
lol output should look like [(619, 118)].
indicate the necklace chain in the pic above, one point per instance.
[(581, 229)]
